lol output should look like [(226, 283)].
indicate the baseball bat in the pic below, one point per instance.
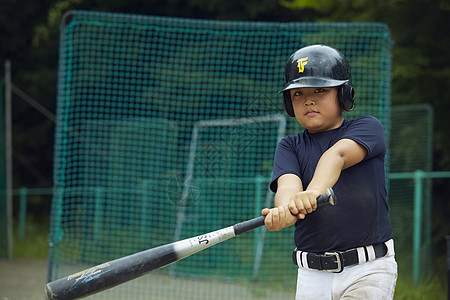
[(115, 272)]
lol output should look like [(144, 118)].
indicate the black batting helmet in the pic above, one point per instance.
[(318, 66)]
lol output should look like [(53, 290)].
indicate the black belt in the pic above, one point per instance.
[(335, 261)]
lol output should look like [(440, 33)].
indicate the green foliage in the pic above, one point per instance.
[(234, 10), (45, 31), (301, 4)]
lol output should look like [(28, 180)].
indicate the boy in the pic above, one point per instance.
[(342, 251)]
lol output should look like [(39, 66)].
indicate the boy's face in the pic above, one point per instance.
[(317, 109)]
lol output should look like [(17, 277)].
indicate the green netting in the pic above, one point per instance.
[(166, 129), (411, 150)]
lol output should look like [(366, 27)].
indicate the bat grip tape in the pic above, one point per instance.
[(248, 225)]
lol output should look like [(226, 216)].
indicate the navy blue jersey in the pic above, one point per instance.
[(360, 216)]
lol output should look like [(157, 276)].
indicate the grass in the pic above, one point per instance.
[(432, 284), (434, 289), (35, 246)]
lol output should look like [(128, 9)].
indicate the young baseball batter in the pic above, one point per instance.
[(343, 251)]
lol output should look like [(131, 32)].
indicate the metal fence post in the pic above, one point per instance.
[(417, 234), (8, 154), (22, 212), (448, 266)]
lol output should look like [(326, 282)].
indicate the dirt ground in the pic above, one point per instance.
[(22, 279)]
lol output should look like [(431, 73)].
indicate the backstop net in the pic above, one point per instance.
[(166, 129), (410, 197)]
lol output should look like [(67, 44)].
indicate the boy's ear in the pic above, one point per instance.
[(346, 96)]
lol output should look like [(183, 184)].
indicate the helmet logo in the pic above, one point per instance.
[(301, 64)]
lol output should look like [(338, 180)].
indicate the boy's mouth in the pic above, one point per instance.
[(311, 112)]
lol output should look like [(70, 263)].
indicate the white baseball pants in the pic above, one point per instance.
[(371, 280)]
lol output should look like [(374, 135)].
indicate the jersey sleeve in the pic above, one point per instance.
[(285, 160), (368, 132)]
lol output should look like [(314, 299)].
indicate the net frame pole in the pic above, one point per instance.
[(269, 196), (190, 170)]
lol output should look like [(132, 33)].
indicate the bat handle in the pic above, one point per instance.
[(248, 225), (239, 228), (328, 197)]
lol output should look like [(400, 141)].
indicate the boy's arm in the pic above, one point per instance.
[(280, 217), (342, 155)]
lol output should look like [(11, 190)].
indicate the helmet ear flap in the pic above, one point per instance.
[(346, 96), (288, 103)]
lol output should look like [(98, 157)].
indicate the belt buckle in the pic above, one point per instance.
[(340, 266)]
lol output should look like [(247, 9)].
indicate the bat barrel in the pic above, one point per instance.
[(109, 274)]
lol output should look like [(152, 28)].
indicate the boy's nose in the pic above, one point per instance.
[(309, 101)]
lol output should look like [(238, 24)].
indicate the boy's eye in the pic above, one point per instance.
[(298, 93), (319, 90)]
